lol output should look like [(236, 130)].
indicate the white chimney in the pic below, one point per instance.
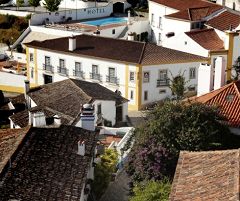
[(129, 17), (57, 120), (205, 79), (81, 148), (87, 117), (72, 43), (219, 75), (131, 36), (39, 119)]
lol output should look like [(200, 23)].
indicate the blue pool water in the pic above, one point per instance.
[(105, 21)]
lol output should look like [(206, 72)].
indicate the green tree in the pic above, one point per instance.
[(19, 3), (103, 171), (34, 3), (172, 127), (4, 1), (52, 5), (152, 191), (177, 85)]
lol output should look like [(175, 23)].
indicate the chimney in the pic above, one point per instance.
[(129, 17), (205, 79), (131, 36), (87, 117), (57, 120), (219, 75), (81, 148), (72, 43), (39, 119)]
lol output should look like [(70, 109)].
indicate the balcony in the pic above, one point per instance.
[(48, 68), (111, 79), (79, 74), (162, 83), (63, 71), (96, 76)]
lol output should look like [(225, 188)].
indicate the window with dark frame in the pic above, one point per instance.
[(131, 94), (62, 63), (146, 76), (145, 95), (99, 109), (132, 76), (192, 73), (47, 61), (95, 69), (31, 57), (78, 66)]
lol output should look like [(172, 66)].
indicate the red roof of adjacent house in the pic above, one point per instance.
[(207, 38), (185, 4), (227, 99), (207, 176), (224, 20), (195, 14)]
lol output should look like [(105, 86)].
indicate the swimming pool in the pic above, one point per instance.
[(106, 21)]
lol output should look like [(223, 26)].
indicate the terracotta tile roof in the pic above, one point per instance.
[(227, 99), (224, 20), (47, 167), (154, 54), (207, 38), (185, 4), (9, 141), (206, 176), (194, 14), (65, 98), (119, 50)]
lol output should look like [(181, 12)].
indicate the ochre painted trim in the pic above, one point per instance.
[(126, 80), (230, 56), (219, 52), (132, 107), (12, 89), (28, 68), (35, 67)]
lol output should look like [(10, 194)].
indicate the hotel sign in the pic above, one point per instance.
[(95, 11)]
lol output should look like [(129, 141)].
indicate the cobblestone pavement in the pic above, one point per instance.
[(118, 190)]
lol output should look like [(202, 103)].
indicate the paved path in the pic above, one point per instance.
[(118, 190), (136, 118)]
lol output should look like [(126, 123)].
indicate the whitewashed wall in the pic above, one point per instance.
[(79, 14), (14, 12), (19, 57), (108, 110), (86, 67), (184, 43), (174, 69), (11, 80)]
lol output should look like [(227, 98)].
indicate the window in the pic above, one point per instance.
[(78, 66), (152, 19), (160, 23), (94, 69), (163, 75), (145, 76), (162, 91), (191, 88), (61, 63), (111, 72), (185, 42), (113, 31), (152, 35), (145, 95), (192, 73), (31, 57), (132, 77), (47, 61), (99, 109), (31, 72), (131, 94), (159, 39), (230, 97)]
